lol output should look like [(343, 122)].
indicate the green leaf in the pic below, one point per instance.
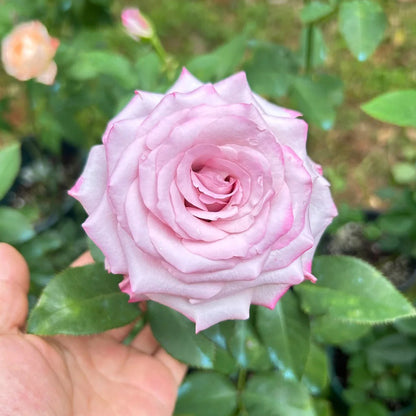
[(331, 331), (8, 10), (247, 349), (362, 23), (221, 62), (80, 301), (404, 173), (10, 160), (149, 72), (322, 407), (319, 49), (206, 394), (14, 226), (219, 334), (138, 326), (272, 395), (368, 408), (348, 289), (224, 362), (396, 223), (316, 372), (315, 11), (286, 334), (271, 69), (96, 253), (89, 64), (359, 376), (406, 326), (176, 334), (393, 349), (397, 107), (52, 135), (318, 98)]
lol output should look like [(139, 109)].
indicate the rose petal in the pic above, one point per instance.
[(206, 314), (91, 185), (185, 83), (101, 226), (147, 275)]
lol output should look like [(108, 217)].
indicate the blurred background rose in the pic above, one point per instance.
[(136, 24), (28, 51)]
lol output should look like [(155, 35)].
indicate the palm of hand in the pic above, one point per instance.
[(79, 376)]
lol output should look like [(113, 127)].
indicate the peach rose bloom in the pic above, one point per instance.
[(28, 51)]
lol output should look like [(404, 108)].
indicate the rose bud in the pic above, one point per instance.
[(136, 24), (28, 51), (205, 199)]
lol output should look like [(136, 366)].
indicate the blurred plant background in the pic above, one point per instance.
[(324, 58)]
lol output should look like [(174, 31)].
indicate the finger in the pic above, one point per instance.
[(118, 334), (83, 259), (14, 285), (145, 341), (177, 368)]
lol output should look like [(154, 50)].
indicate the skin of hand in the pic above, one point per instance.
[(77, 375)]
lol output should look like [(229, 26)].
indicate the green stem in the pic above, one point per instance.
[(155, 41), (169, 63), (309, 48), (308, 44), (241, 382)]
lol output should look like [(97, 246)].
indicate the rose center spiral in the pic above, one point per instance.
[(214, 186)]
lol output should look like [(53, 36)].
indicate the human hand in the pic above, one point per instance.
[(77, 376)]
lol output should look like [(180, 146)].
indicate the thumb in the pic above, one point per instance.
[(14, 285)]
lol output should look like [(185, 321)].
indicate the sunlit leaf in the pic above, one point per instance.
[(80, 301), (331, 331), (397, 107), (362, 23), (349, 289)]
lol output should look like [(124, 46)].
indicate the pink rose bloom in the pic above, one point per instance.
[(136, 25), (205, 199), (28, 51)]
